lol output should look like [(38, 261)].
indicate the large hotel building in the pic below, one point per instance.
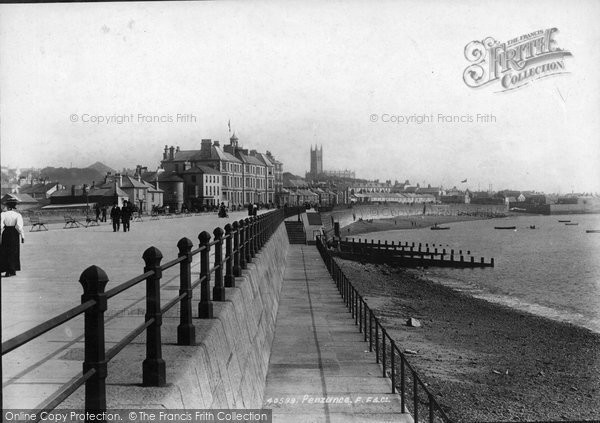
[(215, 174)]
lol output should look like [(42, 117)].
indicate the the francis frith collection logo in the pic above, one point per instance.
[(516, 62)]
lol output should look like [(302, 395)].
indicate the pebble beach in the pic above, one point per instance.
[(484, 361)]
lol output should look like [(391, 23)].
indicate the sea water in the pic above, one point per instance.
[(552, 270)]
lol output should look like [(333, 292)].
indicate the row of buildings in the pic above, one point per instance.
[(217, 174), (213, 174), (186, 179)]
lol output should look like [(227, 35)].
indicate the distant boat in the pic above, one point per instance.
[(531, 226), (505, 227), (571, 224), (564, 221), (439, 228), (592, 231)]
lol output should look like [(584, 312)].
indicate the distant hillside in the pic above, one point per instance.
[(101, 167), (73, 176)]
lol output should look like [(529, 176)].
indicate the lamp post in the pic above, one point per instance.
[(86, 193)]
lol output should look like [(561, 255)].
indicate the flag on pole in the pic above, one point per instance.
[(229, 124), (462, 182)]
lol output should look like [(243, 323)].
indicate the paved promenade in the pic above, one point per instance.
[(48, 285), (320, 368)]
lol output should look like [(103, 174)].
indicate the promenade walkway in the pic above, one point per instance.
[(52, 262), (321, 369)]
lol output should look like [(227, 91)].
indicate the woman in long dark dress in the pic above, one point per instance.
[(11, 224)]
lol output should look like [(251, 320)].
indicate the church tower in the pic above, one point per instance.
[(316, 161)]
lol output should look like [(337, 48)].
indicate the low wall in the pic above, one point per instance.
[(228, 366), (365, 212)]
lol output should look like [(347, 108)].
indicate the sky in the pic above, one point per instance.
[(288, 75)]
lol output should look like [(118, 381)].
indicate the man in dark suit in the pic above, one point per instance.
[(115, 216), (126, 213)]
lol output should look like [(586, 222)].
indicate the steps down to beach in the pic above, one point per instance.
[(295, 231)]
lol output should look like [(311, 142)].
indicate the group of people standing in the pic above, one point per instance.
[(101, 213), (121, 215), (252, 209)]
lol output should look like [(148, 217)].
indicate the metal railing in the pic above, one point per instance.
[(240, 242), (414, 394)]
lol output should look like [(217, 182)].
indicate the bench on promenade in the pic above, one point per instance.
[(36, 222), (91, 221), (71, 222), (138, 217), (168, 216), (154, 216)]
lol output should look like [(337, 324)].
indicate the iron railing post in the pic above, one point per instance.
[(94, 280), (237, 269), (365, 319), (205, 306), (383, 351), (360, 316), (247, 240), (430, 399), (186, 332), (251, 236), (261, 228), (376, 340), (415, 398), (402, 384), (229, 278), (154, 368), (242, 245), (218, 289), (258, 235), (393, 364), (370, 330)]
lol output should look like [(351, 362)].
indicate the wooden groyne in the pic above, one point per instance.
[(407, 254)]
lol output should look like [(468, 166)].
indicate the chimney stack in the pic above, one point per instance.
[(171, 152), (165, 153), (205, 148)]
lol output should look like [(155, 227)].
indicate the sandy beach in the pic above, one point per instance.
[(403, 222), (485, 362)]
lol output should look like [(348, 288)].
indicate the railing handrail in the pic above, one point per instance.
[(241, 241), (360, 310), (42, 328)]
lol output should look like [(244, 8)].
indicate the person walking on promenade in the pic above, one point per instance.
[(11, 225), (115, 216), (250, 209), (97, 212), (103, 214), (126, 211)]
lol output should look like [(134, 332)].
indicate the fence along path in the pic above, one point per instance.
[(234, 246)]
